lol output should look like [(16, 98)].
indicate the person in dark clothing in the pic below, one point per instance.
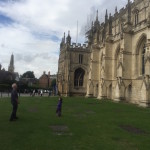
[(49, 93), (59, 107), (14, 102)]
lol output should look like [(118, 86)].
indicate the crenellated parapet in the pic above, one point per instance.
[(75, 46), (66, 44)]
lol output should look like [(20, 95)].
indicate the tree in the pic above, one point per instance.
[(53, 83), (28, 74)]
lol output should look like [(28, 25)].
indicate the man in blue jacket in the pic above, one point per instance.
[(14, 102)]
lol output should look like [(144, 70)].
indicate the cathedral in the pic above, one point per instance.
[(115, 64), (9, 75)]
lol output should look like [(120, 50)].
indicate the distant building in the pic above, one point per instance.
[(44, 80), (9, 75), (6, 75)]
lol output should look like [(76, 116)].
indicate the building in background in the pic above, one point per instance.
[(10, 75), (44, 80)]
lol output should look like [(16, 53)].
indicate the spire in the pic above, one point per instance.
[(96, 23), (62, 42), (68, 38), (97, 16), (110, 24), (11, 65), (116, 10), (129, 11), (92, 26), (49, 74), (68, 33), (106, 16), (64, 37)]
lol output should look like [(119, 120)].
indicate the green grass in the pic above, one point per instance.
[(90, 125)]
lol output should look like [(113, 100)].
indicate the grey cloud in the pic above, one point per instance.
[(18, 57), (2, 45), (47, 56), (24, 58), (28, 58)]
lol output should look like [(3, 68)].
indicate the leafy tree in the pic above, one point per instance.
[(28, 74), (4, 87), (53, 83)]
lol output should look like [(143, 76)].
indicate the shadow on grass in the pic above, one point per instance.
[(132, 129)]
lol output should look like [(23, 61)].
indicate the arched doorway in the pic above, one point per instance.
[(79, 77)]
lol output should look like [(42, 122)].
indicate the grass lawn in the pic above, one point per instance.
[(86, 124)]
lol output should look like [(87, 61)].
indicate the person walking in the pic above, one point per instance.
[(41, 92), (14, 102)]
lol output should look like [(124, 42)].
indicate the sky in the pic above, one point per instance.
[(32, 29)]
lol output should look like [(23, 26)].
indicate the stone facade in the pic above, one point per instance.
[(72, 68), (117, 64)]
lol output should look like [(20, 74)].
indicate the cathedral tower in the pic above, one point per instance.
[(11, 65)]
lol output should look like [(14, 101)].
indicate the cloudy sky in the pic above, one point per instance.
[(32, 29)]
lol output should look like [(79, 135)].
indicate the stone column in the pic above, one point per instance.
[(89, 89)]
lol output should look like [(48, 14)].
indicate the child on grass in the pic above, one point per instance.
[(59, 106)]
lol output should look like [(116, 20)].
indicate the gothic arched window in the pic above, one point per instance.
[(118, 59), (136, 16), (139, 62), (143, 60), (79, 77), (80, 58)]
